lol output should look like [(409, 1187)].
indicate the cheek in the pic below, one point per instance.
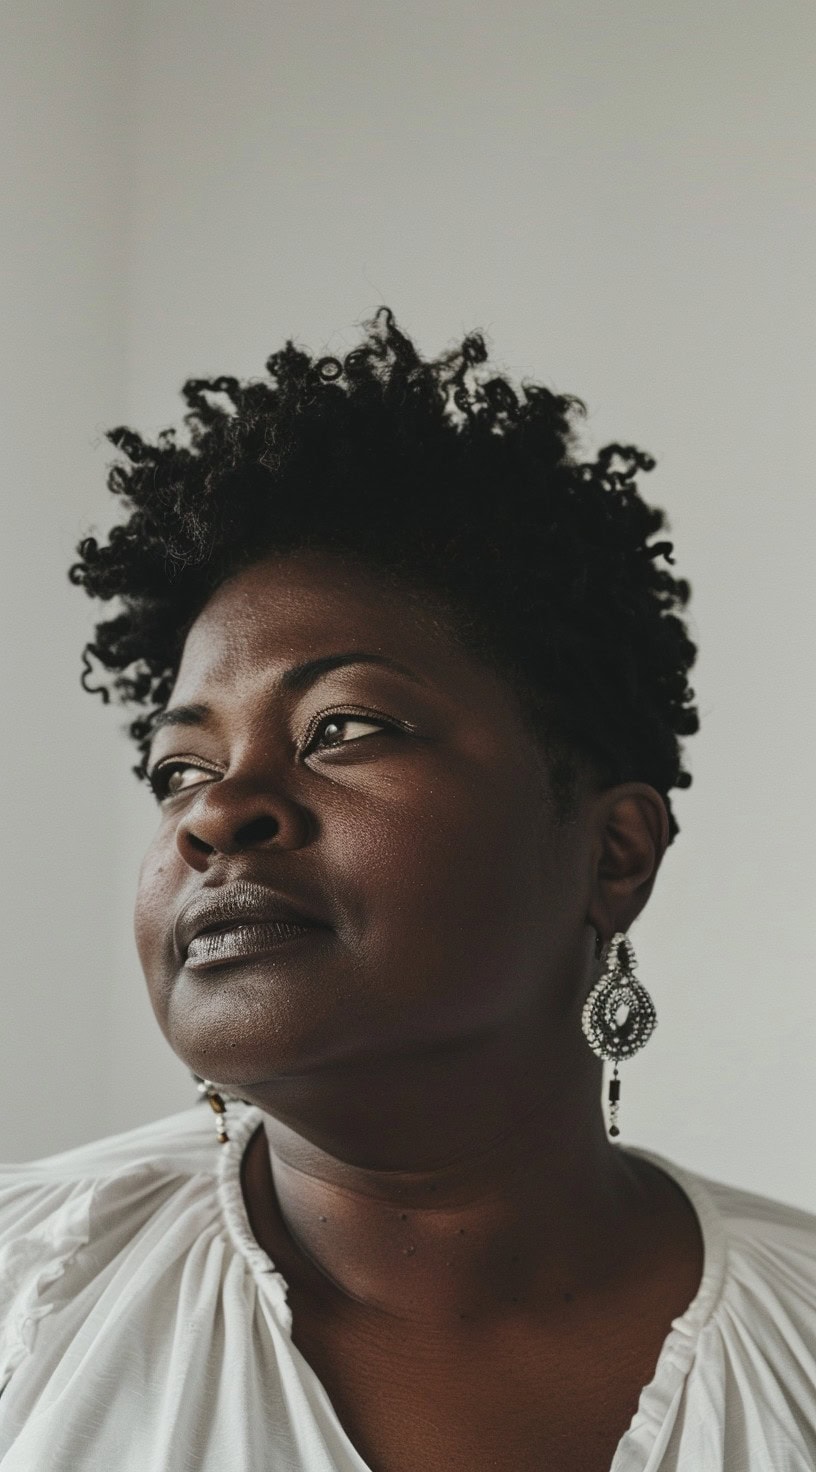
[(465, 901), (151, 920)]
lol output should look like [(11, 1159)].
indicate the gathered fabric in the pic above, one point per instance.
[(143, 1327)]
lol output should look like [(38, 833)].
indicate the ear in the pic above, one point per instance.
[(631, 837)]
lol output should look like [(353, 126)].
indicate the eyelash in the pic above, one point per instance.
[(158, 776)]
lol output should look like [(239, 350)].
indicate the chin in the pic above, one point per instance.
[(238, 1037)]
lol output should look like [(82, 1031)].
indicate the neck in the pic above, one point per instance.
[(475, 1183)]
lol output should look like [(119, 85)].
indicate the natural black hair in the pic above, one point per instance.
[(443, 475)]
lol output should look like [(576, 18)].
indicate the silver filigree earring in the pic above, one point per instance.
[(608, 1037)]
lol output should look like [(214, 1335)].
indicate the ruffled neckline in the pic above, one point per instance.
[(233, 1207)]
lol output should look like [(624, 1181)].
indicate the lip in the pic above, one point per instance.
[(236, 942), (243, 906)]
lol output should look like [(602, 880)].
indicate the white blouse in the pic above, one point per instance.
[(143, 1329)]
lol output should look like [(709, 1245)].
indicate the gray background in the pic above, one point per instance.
[(621, 196)]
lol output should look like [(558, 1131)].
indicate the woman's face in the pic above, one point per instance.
[(405, 807)]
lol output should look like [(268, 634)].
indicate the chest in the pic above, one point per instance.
[(410, 1407)]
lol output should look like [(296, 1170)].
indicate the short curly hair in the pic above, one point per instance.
[(444, 475)]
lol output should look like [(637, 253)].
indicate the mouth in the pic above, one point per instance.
[(226, 922), (237, 940)]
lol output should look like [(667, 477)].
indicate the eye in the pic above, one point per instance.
[(329, 731), (160, 777)]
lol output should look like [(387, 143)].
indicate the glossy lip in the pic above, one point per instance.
[(240, 904), (242, 942)]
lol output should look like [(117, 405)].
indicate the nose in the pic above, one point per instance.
[(235, 813)]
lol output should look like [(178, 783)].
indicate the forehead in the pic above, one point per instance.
[(296, 606)]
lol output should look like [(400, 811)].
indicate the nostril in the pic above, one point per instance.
[(258, 829), (200, 845), (217, 824)]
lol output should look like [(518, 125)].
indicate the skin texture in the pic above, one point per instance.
[(478, 1276)]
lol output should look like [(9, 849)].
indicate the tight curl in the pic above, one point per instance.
[(434, 471)]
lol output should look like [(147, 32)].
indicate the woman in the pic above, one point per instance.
[(411, 681)]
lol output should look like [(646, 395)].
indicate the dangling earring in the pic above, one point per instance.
[(618, 986), (208, 1090)]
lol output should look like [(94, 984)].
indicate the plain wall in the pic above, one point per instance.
[(621, 197), (63, 276)]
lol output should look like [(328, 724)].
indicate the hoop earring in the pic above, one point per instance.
[(208, 1090), (609, 1039)]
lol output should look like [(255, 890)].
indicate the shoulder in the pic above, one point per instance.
[(770, 1242), (758, 1215), (736, 1382), (769, 1298), (65, 1218), (119, 1169), (178, 1142), (757, 1346), (749, 1235)]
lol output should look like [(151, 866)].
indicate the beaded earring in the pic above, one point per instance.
[(607, 1037), (208, 1090)]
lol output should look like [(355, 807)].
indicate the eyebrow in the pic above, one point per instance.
[(298, 677)]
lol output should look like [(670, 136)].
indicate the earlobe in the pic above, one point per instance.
[(633, 836)]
